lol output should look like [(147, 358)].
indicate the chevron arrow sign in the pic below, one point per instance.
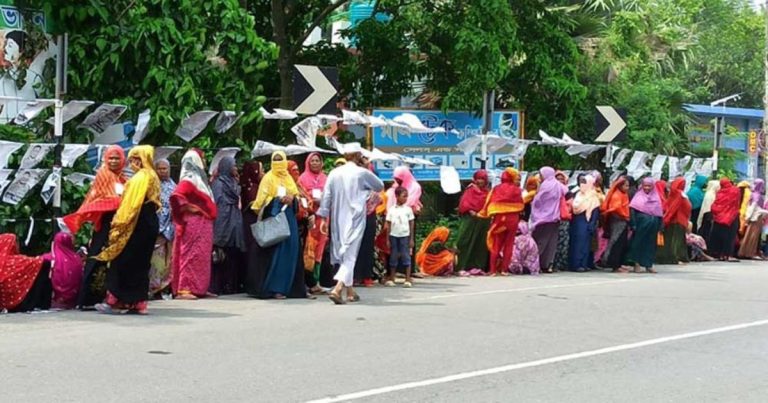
[(315, 89), (610, 124)]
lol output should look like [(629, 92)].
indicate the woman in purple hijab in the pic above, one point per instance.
[(646, 214), (545, 217)]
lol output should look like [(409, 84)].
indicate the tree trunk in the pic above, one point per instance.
[(284, 58)]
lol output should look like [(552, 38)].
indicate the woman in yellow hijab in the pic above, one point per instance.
[(276, 272), (132, 238)]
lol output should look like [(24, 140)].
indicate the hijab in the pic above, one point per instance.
[(587, 199), (433, 264), (403, 173), (309, 180), (143, 187), (104, 195), (228, 227), (277, 177), (167, 186), (725, 209), (709, 198), (474, 197), (249, 181), (648, 203), (758, 193), (531, 187), (677, 209), (193, 190), (545, 207), (67, 271), (696, 193), (616, 201), (193, 171), (506, 197)]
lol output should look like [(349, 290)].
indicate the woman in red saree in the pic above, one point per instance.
[(504, 204), (193, 212), (725, 221), (24, 282), (99, 208)]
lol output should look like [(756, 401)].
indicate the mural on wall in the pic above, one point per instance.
[(22, 64)]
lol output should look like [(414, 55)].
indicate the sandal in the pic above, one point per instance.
[(278, 296), (186, 297), (211, 295), (407, 284), (354, 298), (389, 283), (651, 270), (107, 309), (311, 296), (336, 298)]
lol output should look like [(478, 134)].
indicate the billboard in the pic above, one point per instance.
[(440, 148)]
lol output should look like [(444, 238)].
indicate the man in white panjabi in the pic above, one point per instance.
[(344, 204)]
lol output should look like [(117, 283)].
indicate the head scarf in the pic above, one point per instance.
[(531, 187), (546, 204), (616, 201), (474, 197), (677, 209), (312, 181), (228, 227), (404, 174), (758, 193), (434, 264), (661, 190), (193, 191), (167, 186), (746, 196), (277, 177), (303, 212), (696, 192), (249, 181), (709, 198), (587, 199), (648, 203), (67, 271), (506, 197), (104, 195), (143, 187), (17, 272), (725, 209)]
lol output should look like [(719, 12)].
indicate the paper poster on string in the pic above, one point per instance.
[(195, 124), (4, 181), (449, 180), (49, 186), (31, 110), (620, 157), (35, 154), (658, 166), (103, 117), (162, 153), (80, 179), (220, 154), (226, 120), (23, 182), (71, 110), (71, 153), (7, 148), (142, 126)]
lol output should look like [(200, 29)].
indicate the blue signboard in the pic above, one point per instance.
[(440, 148)]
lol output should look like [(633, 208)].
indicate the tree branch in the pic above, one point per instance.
[(318, 20)]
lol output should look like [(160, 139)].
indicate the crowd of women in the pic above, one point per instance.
[(155, 238)]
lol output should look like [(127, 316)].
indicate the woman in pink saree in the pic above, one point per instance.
[(66, 271), (193, 212)]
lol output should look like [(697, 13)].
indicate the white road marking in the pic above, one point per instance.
[(536, 363), (510, 290)]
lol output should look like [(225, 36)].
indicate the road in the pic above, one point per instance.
[(688, 334)]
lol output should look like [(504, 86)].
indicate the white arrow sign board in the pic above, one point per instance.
[(610, 124), (315, 89)]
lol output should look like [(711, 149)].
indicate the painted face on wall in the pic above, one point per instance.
[(12, 52)]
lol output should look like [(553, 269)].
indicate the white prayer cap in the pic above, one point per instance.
[(350, 148)]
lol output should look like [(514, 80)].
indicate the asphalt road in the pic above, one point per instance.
[(696, 333)]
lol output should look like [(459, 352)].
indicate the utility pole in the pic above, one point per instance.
[(58, 121), (489, 98), (765, 96)]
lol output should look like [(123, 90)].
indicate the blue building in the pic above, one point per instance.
[(736, 124)]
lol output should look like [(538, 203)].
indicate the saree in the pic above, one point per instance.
[(750, 244), (19, 276), (433, 258), (471, 243)]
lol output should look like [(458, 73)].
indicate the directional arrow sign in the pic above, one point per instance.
[(315, 89), (610, 124)]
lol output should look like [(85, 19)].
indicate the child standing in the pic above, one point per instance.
[(400, 226)]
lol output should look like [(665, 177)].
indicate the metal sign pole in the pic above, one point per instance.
[(58, 123)]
